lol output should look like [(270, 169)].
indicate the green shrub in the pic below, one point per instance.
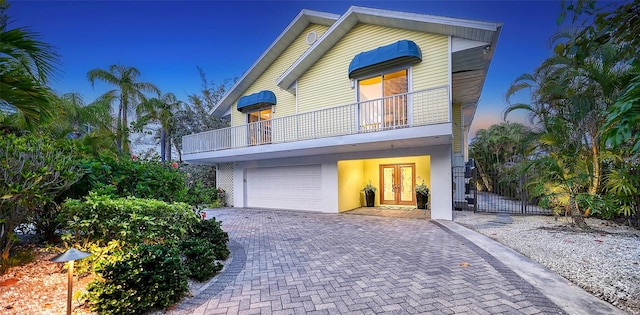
[(101, 218), (146, 278), (200, 195), (199, 258), (211, 231), (129, 177), (33, 171)]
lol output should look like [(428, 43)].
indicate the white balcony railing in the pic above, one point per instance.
[(420, 108)]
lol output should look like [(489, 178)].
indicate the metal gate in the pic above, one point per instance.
[(496, 193)]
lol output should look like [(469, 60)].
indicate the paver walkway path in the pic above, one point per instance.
[(307, 263)]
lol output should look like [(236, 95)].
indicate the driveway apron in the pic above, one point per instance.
[(286, 262)]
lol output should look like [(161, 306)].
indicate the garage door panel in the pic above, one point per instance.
[(290, 187)]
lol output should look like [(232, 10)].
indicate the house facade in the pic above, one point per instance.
[(338, 101)]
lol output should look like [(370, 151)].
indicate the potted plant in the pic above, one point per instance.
[(370, 194), (422, 195)]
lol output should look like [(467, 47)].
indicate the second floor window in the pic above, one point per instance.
[(383, 100), (259, 124)]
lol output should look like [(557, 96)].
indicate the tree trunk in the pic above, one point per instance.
[(119, 130), (163, 145), (576, 214), (595, 182), (175, 144), (168, 146), (125, 128)]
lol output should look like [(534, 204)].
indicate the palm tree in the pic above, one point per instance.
[(161, 110), (130, 93), (25, 67), (75, 119)]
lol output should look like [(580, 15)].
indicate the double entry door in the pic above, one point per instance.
[(397, 182)]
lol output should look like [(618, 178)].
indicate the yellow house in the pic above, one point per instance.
[(338, 101)]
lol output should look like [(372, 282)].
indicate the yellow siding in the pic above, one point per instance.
[(326, 84), (286, 101), (354, 175), (457, 128), (349, 184)]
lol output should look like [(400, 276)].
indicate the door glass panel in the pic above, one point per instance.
[(389, 177), (369, 94), (259, 126), (406, 183), (395, 104)]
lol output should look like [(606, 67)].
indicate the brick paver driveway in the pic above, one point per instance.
[(306, 263)]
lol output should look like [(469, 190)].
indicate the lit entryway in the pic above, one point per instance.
[(397, 182)]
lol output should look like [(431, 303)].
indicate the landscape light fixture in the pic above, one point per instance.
[(70, 256)]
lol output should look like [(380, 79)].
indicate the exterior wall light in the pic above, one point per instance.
[(70, 256)]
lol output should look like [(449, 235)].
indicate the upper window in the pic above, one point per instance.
[(259, 123), (383, 100), (258, 115)]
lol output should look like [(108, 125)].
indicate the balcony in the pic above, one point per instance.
[(408, 110)]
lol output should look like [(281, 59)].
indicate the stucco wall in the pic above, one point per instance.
[(350, 179)]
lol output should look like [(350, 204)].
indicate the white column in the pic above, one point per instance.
[(239, 185), (441, 193), (330, 187)]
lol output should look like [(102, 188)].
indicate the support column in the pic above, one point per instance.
[(441, 188)]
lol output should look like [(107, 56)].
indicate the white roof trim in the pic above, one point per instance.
[(481, 31), (460, 44), (280, 44)]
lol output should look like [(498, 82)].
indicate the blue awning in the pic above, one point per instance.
[(256, 99), (400, 52)]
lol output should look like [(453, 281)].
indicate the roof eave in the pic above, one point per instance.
[(468, 119)]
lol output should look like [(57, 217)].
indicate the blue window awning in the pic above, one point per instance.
[(398, 53), (254, 100)]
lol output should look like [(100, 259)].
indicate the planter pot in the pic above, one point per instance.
[(421, 201), (370, 197)]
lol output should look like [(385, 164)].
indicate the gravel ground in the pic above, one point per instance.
[(604, 261)]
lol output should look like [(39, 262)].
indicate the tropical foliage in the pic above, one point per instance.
[(26, 65), (584, 103), (33, 172), (66, 175), (130, 93), (160, 110)]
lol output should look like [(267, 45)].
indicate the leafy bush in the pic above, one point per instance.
[(211, 231), (148, 277), (129, 177), (199, 258), (34, 171), (200, 195), (100, 218)]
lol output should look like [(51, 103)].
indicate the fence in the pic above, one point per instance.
[(495, 192)]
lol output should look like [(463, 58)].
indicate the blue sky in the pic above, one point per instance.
[(167, 40)]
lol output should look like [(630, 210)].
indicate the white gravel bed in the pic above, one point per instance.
[(605, 261)]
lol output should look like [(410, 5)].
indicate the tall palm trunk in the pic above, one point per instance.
[(163, 145), (125, 128), (119, 130), (168, 146), (595, 182)]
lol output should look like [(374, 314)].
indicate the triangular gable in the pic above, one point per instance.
[(293, 30)]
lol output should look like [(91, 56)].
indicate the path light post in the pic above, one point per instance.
[(70, 256)]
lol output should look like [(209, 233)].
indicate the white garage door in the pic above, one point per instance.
[(290, 187)]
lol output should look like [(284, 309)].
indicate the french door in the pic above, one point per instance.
[(397, 182), (259, 123), (383, 101)]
